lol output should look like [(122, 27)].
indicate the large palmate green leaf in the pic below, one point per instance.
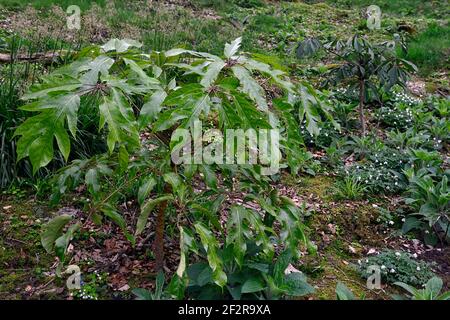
[(37, 135), (99, 66), (57, 99)]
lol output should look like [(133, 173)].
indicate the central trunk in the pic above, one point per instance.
[(158, 243)]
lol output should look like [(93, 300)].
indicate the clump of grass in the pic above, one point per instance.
[(11, 80), (250, 3), (428, 8), (186, 30), (39, 4), (429, 50), (266, 23), (15, 77), (348, 189)]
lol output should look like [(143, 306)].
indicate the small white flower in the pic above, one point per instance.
[(418, 268), (392, 270), (414, 255), (398, 254), (383, 267), (391, 222)]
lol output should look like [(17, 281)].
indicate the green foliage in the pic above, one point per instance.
[(349, 189), (343, 113), (57, 100), (158, 294), (257, 278), (366, 67), (380, 168), (53, 237), (397, 117), (432, 9), (432, 290), (160, 92), (83, 4), (243, 264), (430, 201), (92, 286), (344, 293), (429, 48), (398, 266), (15, 76)]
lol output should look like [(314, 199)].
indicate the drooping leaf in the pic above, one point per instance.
[(145, 79), (62, 243), (145, 188), (211, 246), (92, 181), (123, 158), (118, 219), (151, 108), (53, 230), (37, 137), (120, 129), (296, 285), (434, 286), (308, 47), (238, 230), (147, 209)]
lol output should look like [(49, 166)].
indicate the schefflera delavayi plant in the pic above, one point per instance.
[(134, 92)]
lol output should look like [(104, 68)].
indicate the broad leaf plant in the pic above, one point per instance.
[(136, 94)]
